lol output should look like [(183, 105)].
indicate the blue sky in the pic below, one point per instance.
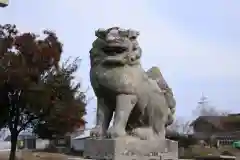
[(195, 43)]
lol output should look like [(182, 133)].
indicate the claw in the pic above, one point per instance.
[(96, 132), (114, 133)]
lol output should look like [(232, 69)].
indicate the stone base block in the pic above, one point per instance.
[(130, 149)]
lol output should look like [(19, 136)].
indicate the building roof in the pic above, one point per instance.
[(219, 122), (215, 120)]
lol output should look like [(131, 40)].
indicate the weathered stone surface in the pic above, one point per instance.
[(128, 148), (142, 102)]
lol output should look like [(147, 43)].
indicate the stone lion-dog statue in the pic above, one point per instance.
[(142, 102)]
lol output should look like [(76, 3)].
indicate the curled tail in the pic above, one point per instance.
[(155, 74)]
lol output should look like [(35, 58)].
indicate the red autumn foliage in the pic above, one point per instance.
[(34, 88)]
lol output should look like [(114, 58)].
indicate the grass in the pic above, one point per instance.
[(202, 151)]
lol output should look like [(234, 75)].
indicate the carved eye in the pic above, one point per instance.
[(132, 38), (132, 34)]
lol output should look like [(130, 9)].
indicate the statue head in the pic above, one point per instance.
[(117, 40)]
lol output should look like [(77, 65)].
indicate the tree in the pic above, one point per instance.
[(69, 106), (29, 71), (180, 131), (181, 126)]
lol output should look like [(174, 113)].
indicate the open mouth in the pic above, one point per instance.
[(114, 49)]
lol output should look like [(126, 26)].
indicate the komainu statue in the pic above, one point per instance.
[(142, 102)]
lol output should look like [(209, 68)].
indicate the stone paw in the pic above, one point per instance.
[(143, 133), (115, 133), (96, 132)]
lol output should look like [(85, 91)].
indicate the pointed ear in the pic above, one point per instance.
[(100, 33)]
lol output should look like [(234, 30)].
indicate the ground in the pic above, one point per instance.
[(27, 155), (203, 151)]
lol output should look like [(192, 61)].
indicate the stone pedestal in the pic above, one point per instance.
[(129, 148)]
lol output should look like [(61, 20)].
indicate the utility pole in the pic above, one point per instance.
[(203, 101), (202, 106), (3, 3)]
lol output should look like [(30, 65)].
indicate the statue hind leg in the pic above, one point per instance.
[(159, 117), (124, 105), (157, 113)]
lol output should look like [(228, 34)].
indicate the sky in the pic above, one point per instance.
[(194, 43)]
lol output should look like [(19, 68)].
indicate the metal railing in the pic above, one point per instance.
[(225, 142)]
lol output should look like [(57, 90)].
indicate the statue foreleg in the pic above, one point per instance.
[(104, 116), (124, 105)]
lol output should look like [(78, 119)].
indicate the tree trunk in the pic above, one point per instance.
[(14, 137)]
